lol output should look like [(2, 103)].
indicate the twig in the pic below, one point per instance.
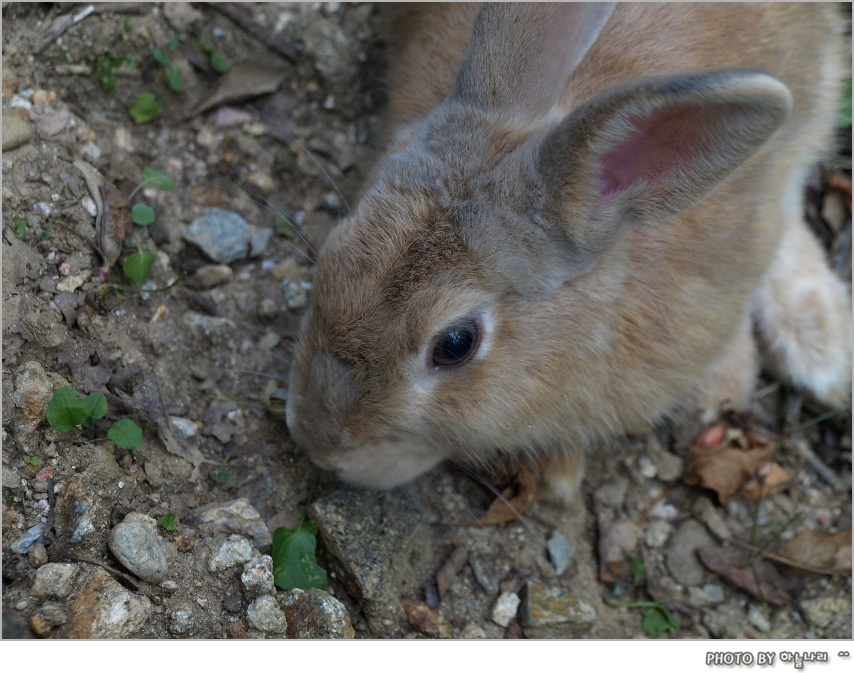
[(246, 21)]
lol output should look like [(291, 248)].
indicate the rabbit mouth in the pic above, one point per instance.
[(382, 465)]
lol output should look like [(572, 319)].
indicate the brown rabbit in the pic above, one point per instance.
[(582, 213)]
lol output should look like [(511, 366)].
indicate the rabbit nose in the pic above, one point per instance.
[(316, 418)]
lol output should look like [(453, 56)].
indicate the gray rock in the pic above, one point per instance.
[(54, 580), (681, 555), (613, 493), (181, 621), (758, 617), (137, 547), (296, 293), (484, 573), (668, 466), (381, 542), (53, 614), (725, 622), (315, 614), (505, 608), (16, 132), (233, 551), (77, 508), (553, 610), (105, 609), (333, 53), (704, 510), (559, 552), (11, 479), (258, 241), (257, 577), (657, 532), (221, 234), (264, 614), (235, 516), (28, 538)]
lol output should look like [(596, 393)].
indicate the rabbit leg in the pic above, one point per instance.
[(803, 316), (731, 378), (561, 475)]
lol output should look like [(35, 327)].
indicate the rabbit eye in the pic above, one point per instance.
[(457, 345)]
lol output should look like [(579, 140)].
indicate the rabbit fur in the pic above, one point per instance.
[(607, 201)]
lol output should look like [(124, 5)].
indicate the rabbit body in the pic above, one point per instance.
[(567, 237)]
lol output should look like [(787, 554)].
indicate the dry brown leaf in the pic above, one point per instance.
[(114, 224), (733, 566), (508, 507), (771, 478), (725, 469), (817, 551), (242, 82), (617, 539)]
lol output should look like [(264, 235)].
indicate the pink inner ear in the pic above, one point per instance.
[(667, 140)]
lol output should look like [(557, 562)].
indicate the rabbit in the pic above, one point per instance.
[(584, 216)]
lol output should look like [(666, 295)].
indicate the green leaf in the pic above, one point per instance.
[(126, 434), (172, 44), (137, 267), (146, 108), (219, 476), (638, 571), (19, 229), (169, 521), (843, 114), (158, 179), (65, 410), (657, 620), (161, 58), (219, 62), (293, 558), (95, 405), (141, 214), (173, 79), (45, 235), (32, 460)]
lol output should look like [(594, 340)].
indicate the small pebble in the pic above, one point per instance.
[(181, 621), (234, 551), (54, 580), (16, 132), (137, 547), (505, 608), (559, 552), (257, 577), (757, 617), (37, 555), (264, 614), (211, 275), (484, 573), (657, 533), (221, 234)]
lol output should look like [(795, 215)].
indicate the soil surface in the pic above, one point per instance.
[(202, 369)]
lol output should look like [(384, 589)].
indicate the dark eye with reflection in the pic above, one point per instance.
[(457, 345)]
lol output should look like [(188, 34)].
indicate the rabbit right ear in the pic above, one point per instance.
[(645, 150)]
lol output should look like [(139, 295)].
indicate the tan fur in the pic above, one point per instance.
[(606, 301)]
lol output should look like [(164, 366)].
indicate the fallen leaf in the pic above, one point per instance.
[(733, 566), (726, 469), (617, 539), (508, 507), (242, 82), (114, 224), (771, 478), (817, 551)]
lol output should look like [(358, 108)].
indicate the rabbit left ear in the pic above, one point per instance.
[(522, 53), (643, 151)]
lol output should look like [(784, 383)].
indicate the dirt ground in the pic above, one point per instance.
[(195, 366)]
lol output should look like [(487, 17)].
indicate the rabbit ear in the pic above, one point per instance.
[(521, 54), (642, 151)]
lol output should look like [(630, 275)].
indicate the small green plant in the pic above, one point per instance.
[(220, 477), (294, 565), (173, 73), (106, 66), (146, 108), (657, 619), (169, 521), (19, 229), (35, 461), (67, 410), (137, 267)]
